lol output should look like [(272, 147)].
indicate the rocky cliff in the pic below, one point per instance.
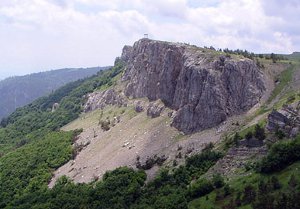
[(286, 120), (203, 86), (98, 100)]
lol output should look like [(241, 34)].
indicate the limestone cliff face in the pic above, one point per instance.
[(99, 100), (202, 86)]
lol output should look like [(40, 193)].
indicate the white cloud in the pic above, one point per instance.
[(45, 34)]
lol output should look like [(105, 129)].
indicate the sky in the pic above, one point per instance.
[(40, 35)]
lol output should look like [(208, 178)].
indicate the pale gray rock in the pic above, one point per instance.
[(139, 106), (294, 132), (277, 120), (126, 53), (99, 100), (287, 119), (204, 88), (55, 106), (154, 109)]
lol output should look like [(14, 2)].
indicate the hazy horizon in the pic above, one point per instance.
[(42, 35), (45, 70)]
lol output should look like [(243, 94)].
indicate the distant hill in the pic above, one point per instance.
[(18, 91), (294, 56)]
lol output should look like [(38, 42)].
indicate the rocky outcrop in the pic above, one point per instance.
[(204, 88), (237, 158), (99, 100), (139, 106), (55, 106), (126, 52), (252, 142), (287, 120), (154, 109), (277, 120)]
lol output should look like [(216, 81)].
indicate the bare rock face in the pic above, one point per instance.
[(55, 106), (277, 120), (126, 52), (139, 106), (99, 100), (203, 87), (287, 120), (154, 109)]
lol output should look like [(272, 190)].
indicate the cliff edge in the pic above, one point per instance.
[(203, 86)]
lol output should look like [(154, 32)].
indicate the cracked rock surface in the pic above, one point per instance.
[(204, 88)]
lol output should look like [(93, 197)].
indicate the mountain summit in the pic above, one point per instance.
[(203, 86)]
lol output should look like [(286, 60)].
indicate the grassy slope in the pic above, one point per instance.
[(209, 201), (28, 122), (32, 147), (294, 56), (284, 79)]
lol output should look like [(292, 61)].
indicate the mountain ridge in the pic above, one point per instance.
[(18, 91)]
